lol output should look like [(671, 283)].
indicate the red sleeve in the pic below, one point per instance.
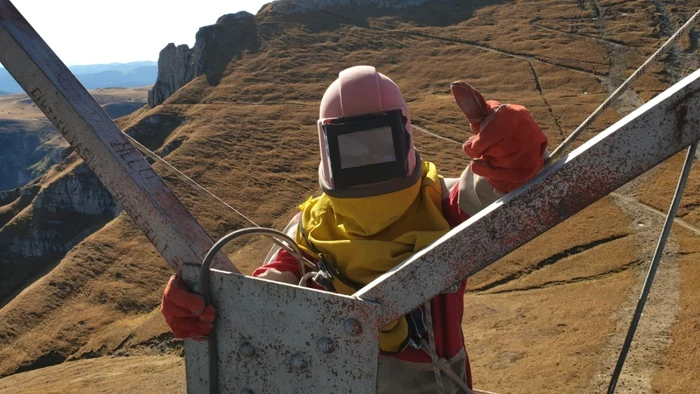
[(283, 262), (451, 210)]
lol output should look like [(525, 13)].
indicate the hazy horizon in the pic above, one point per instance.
[(83, 32)]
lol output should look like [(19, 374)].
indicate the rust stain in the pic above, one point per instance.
[(683, 111)]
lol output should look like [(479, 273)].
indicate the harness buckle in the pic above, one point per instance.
[(323, 277), (452, 289), (417, 328)]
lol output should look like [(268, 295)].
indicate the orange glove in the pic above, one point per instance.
[(185, 312), (508, 146)]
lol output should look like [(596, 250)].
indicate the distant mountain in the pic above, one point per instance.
[(135, 77), (98, 76), (96, 68)]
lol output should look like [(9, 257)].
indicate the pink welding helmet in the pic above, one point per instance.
[(365, 136)]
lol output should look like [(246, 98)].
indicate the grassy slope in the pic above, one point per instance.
[(253, 135)]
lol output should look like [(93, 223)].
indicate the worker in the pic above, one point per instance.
[(382, 203)]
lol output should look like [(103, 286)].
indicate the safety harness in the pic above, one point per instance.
[(417, 328), (420, 325)]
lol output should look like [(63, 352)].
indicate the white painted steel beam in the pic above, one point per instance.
[(646, 137), (104, 148)]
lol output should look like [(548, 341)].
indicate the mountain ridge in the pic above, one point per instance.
[(98, 76)]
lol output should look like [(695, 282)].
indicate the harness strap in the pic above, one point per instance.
[(440, 364), (430, 349), (417, 329), (420, 325), (326, 270)]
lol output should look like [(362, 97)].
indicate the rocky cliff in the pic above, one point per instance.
[(27, 150), (214, 47), (42, 221), (235, 34)]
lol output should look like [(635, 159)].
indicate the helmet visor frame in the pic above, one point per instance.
[(367, 149)]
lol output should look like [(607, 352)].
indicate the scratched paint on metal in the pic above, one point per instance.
[(278, 338), (103, 147), (635, 144)]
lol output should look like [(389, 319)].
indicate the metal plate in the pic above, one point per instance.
[(278, 338)]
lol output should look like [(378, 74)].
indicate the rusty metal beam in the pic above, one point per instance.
[(635, 144), (104, 148)]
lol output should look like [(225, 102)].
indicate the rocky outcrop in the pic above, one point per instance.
[(77, 192), (177, 65), (29, 147), (214, 47), (25, 153), (51, 220), (41, 221)]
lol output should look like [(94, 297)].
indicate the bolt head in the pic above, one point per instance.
[(326, 345), (246, 349), (353, 327)]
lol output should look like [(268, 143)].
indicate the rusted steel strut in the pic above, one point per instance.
[(646, 137), (276, 338)]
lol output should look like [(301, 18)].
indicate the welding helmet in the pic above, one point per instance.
[(365, 136)]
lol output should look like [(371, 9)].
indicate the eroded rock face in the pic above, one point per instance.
[(24, 155), (78, 192), (28, 148), (49, 221), (214, 47), (233, 34), (56, 213), (176, 67)]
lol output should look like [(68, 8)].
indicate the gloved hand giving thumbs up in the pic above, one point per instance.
[(508, 146)]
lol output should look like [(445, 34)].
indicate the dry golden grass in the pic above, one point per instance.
[(124, 375), (535, 321), (545, 340), (21, 107), (658, 191), (682, 362)]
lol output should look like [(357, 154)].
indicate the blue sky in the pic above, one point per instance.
[(96, 32)]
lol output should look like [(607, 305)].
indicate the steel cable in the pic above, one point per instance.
[(653, 267), (633, 78), (303, 260)]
